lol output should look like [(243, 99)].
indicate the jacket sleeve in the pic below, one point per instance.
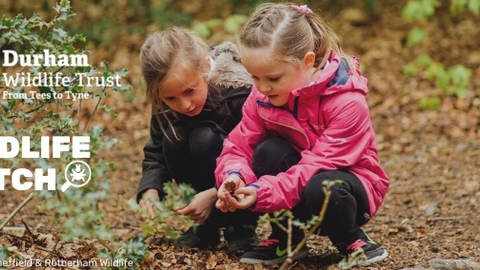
[(154, 171), (341, 145), (239, 145)]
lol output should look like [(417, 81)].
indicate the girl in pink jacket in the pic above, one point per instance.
[(306, 121)]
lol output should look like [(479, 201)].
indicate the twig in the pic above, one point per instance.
[(29, 241), (19, 207), (95, 109), (26, 227), (446, 218), (15, 236), (310, 232)]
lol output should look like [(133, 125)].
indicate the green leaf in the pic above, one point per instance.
[(429, 7), (423, 60), (202, 30), (460, 92), (59, 34), (416, 36), (442, 80), (410, 11), (457, 6), (234, 22), (460, 75), (4, 253), (410, 69), (474, 6), (436, 70), (416, 10), (214, 23), (7, 22), (430, 103)]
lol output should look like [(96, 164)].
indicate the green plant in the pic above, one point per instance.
[(457, 6), (453, 80), (176, 196), (230, 25), (421, 10), (310, 227)]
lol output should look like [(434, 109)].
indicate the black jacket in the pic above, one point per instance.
[(233, 82)]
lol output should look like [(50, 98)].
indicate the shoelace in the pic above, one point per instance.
[(356, 245), (268, 242)]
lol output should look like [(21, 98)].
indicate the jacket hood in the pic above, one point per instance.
[(228, 71), (335, 78)]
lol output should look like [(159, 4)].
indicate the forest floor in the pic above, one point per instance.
[(432, 156)]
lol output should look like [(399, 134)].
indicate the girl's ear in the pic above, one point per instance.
[(207, 63), (309, 60)]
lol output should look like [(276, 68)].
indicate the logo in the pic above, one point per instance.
[(77, 174), (281, 253)]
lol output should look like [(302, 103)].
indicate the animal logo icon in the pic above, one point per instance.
[(78, 173)]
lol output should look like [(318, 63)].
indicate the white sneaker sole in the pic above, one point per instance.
[(303, 253), (375, 259)]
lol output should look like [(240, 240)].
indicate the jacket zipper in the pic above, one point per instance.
[(283, 125)]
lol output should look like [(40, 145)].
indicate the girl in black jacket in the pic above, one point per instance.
[(197, 98)]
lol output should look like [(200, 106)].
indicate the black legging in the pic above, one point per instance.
[(192, 160), (348, 206)]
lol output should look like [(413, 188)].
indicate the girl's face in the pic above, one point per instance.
[(184, 91), (275, 78)]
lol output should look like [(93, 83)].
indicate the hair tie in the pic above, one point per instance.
[(304, 9)]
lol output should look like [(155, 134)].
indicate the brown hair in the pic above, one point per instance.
[(162, 52), (291, 34)]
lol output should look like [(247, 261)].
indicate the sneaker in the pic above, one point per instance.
[(271, 251), (364, 245), (201, 236), (240, 239)]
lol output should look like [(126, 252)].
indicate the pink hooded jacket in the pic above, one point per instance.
[(328, 122)]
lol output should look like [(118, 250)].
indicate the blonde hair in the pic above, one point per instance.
[(291, 34), (164, 51)]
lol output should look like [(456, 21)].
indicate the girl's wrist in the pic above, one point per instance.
[(212, 194)]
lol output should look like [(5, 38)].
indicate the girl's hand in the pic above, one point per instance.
[(201, 206), (146, 203), (242, 197)]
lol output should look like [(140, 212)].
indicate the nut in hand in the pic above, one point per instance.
[(230, 186)]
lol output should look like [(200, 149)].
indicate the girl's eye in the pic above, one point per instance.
[(169, 98), (274, 79)]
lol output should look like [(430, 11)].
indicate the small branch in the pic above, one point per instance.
[(96, 108), (447, 218), (29, 241), (26, 227), (310, 232), (15, 236), (19, 207)]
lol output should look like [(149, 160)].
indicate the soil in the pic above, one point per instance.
[(432, 156)]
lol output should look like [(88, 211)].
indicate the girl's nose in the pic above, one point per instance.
[(185, 104), (264, 87)]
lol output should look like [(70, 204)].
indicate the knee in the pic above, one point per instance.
[(315, 191), (175, 136), (314, 194), (205, 141), (272, 156), (264, 149)]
